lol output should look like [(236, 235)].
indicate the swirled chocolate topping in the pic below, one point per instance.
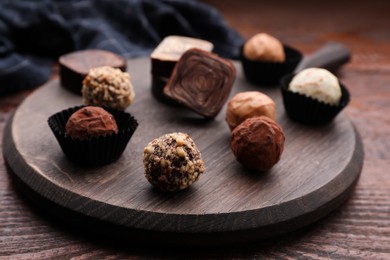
[(169, 51), (202, 81)]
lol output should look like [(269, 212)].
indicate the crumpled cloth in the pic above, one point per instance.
[(33, 34)]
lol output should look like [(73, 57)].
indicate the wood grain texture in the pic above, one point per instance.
[(227, 205), (360, 229)]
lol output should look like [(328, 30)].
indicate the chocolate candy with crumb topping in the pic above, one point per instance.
[(202, 81), (172, 162), (90, 122), (258, 143), (107, 86)]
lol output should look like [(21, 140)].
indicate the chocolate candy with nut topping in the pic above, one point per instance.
[(107, 86), (172, 162), (202, 81)]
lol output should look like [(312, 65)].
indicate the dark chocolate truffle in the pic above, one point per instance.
[(202, 81), (258, 143), (172, 162), (89, 122), (76, 65)]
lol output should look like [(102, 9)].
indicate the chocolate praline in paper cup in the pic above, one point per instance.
[(96, 150), (307, 110), (264, 73)]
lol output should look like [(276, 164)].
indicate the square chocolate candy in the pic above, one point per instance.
[(201, 81), (169, 51)]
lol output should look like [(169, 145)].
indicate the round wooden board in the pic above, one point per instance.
[(228, 204)]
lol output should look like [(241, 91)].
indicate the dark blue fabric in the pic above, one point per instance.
[(33, 34)]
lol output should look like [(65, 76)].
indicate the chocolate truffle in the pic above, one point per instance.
[(265, 60), (172, 162), (90, 122), (92, 136), (317, 83), (202, 81), (107, 86), (249, 104), (76, 65), (258, 143), (264, 47)]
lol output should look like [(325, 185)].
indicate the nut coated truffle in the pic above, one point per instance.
[(107, 86), (258, 143), (249, 104), (90, 122), (172, 162), (317, 83), (264, 47)]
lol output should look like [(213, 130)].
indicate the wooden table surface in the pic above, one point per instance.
[(358, 229)]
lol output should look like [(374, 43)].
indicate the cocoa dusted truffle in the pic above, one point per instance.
[(172, 162), (89, 122), (75, 66), (202, 81), (249, 104), (264, 47), (107, 86), (258, 143), (92, 136)]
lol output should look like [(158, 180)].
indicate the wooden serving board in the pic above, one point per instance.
[(228, 204)]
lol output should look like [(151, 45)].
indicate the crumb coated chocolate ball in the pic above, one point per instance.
[(89, 122), (249, 104), (172, 162), (317, 83), (264, 47), (107, 86), (258, 143)]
